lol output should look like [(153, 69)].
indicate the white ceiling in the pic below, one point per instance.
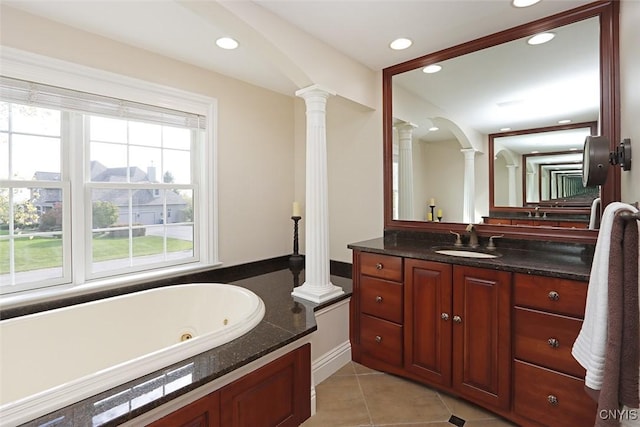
[(358, 29)]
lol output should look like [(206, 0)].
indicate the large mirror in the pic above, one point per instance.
[(451, 137)]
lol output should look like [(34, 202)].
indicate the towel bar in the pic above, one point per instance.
[(630, 215)]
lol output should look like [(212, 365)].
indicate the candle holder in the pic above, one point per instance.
[(296, 260), (440, 218), (433, 215)]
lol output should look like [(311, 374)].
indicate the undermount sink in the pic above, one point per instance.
[(468, 253)]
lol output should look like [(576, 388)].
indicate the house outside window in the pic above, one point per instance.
[(93, 187)]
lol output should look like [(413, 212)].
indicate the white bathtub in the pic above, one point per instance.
[(51, 359)]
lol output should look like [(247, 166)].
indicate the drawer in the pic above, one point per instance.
[(381, 298), (381, 266), (546, 339), (551, 294), (381, 339), (551, 398)]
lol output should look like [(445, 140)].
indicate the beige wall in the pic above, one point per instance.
[(630, 94), (261, 139), (255, 131)]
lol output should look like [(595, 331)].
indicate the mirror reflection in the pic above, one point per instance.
[(441, 160), (541, 168)]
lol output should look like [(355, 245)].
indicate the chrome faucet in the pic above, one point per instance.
[(537, 212), (473, 236)]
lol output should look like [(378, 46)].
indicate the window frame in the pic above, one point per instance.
[(33, 67)]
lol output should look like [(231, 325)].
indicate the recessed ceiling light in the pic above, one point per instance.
[(504, 129), (524, 3), (227, 43), (565, 121), (433, 128), (573, 149), (401, 43), (430, 69), (541, 38), (535, 152)]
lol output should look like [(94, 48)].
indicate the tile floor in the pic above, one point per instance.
[(356, 396)]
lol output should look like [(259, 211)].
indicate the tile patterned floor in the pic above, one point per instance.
[(357, 396)]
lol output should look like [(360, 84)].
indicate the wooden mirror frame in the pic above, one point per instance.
[(607, 12)]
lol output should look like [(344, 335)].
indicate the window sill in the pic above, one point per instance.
[(44, 295)]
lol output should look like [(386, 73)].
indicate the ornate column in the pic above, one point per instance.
[(405, 170), (513, 198), (317, 286), (469, 191)]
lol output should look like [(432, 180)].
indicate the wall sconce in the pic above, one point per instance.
[(596, 159)]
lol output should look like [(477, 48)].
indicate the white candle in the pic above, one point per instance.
[(432, 202), (296, 209)]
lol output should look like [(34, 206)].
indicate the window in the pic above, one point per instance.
[(94, 187)]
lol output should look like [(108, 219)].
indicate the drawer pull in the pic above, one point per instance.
[(554, 296), (378, 299), (457, 319), (553, 343), (553, 400), (378, 339), (379, 266), (444, 316)]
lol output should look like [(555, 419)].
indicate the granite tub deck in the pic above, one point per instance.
[(565, 261), (285, 321)]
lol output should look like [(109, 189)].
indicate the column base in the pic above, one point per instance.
[(317, 294)]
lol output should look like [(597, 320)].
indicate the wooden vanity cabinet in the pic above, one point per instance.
[(204, 412), (457, 331), (499, 339), (276, 394), (548, 382), (445, 325)]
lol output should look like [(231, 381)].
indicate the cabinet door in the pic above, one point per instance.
[(481, 334), (428, 320), (278, 394), (204, 412)]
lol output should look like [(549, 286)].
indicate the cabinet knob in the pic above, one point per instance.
[(379, 266), (444, 316), (378, 339), (554, 296), (553, 343), (457, 319), (378, 299), (553, 400)]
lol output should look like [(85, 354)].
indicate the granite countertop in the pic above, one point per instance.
[(286, 320), (565, 261)]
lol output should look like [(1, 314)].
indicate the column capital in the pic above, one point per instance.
[(314, 90), (469, 153), (405, 126)]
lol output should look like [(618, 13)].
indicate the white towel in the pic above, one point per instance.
[(589, 348)]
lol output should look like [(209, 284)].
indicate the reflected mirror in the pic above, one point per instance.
[(540, 171), (441, 127)]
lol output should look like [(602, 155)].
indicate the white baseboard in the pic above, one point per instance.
[(327, 364)]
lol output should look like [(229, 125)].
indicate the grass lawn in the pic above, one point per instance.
[(45, 252)]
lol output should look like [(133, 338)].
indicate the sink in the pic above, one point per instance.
[(468, 253)]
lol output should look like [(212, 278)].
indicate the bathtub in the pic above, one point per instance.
[(52, 359)]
